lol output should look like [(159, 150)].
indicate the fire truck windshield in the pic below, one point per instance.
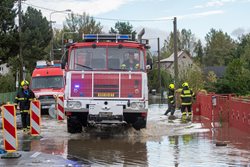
[(107, 58), (55, 82)]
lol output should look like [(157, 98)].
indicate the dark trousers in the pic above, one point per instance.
[(25, 119), (171, 109), (183, 108)]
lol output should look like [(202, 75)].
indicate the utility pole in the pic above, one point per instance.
[(20, 38), (159, 65), (176, 78)]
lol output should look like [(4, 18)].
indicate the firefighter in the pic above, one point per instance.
[(186, 100), (171, 100), (131, 63), (23, 98)]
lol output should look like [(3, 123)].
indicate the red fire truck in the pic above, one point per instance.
[(101, 89), (47, 82)]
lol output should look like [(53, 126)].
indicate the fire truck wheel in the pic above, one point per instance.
[(139, 124), (74, 125)]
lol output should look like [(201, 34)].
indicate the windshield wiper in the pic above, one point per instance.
[(84, 66), (118, 69), (54, 87)]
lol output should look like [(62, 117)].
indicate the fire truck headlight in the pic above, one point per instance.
[(78, 104), (133, 105), (70, 104), (137, 105), (74, 104), (141, 105)]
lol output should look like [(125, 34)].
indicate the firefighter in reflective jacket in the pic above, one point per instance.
[(23, 98), (186, 99), (171, 100)]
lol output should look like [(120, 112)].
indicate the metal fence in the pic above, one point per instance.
[(225, 108)]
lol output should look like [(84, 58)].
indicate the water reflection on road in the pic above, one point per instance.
[(163, 143)]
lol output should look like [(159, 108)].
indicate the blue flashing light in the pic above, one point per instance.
[(90, 36), (123, 37), (77, 86), (41, 66), (106, 37)]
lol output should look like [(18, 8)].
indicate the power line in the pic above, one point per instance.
[(130, 20), (102, 18), (40, 7)]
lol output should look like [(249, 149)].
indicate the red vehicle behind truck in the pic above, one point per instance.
[(99, 90), (47, 82)]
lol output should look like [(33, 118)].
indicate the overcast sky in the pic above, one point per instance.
[(200, 16)]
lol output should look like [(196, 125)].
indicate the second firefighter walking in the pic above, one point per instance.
[(171, 100)]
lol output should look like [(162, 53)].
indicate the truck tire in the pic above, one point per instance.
[(84, 119), (135, 120), (74, 125), (139, 124)]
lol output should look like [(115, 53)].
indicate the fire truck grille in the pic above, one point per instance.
[(106, 91)]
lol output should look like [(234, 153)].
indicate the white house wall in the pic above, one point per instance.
[(4, 69)]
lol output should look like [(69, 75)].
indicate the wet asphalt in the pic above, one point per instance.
[(164, 142)]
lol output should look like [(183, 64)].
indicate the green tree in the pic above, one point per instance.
[(36, 36), (8, 30), (211, 81), (194, 77), (123, 28), (7, 83), (82, 24), (153, 79), (185, 41), (236, 79), (243, 50), (168, 46), (219, 48), (199, 53)]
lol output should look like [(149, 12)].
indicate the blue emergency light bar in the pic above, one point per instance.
[(98, 37)]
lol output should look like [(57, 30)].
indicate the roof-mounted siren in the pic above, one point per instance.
[(145, 42), (106, 37)]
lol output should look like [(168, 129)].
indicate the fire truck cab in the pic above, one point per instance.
[(47, 82), (104, 86)]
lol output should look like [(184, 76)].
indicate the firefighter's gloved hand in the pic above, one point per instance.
[(148, 67)]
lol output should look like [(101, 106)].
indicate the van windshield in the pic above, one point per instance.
[(55, 82)]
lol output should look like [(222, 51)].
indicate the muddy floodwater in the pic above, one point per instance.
[(164, 143)]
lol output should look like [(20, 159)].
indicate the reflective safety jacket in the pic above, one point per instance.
[(23, 98), (186, 96), (171, 98)]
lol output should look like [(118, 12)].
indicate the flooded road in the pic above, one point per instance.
[(164, 143)]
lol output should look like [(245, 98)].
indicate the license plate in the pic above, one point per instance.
[(105, 114), (106, 94)]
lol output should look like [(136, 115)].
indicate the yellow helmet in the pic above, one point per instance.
[(171, 86), (123, 66), (185, 84), (24, 82)]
